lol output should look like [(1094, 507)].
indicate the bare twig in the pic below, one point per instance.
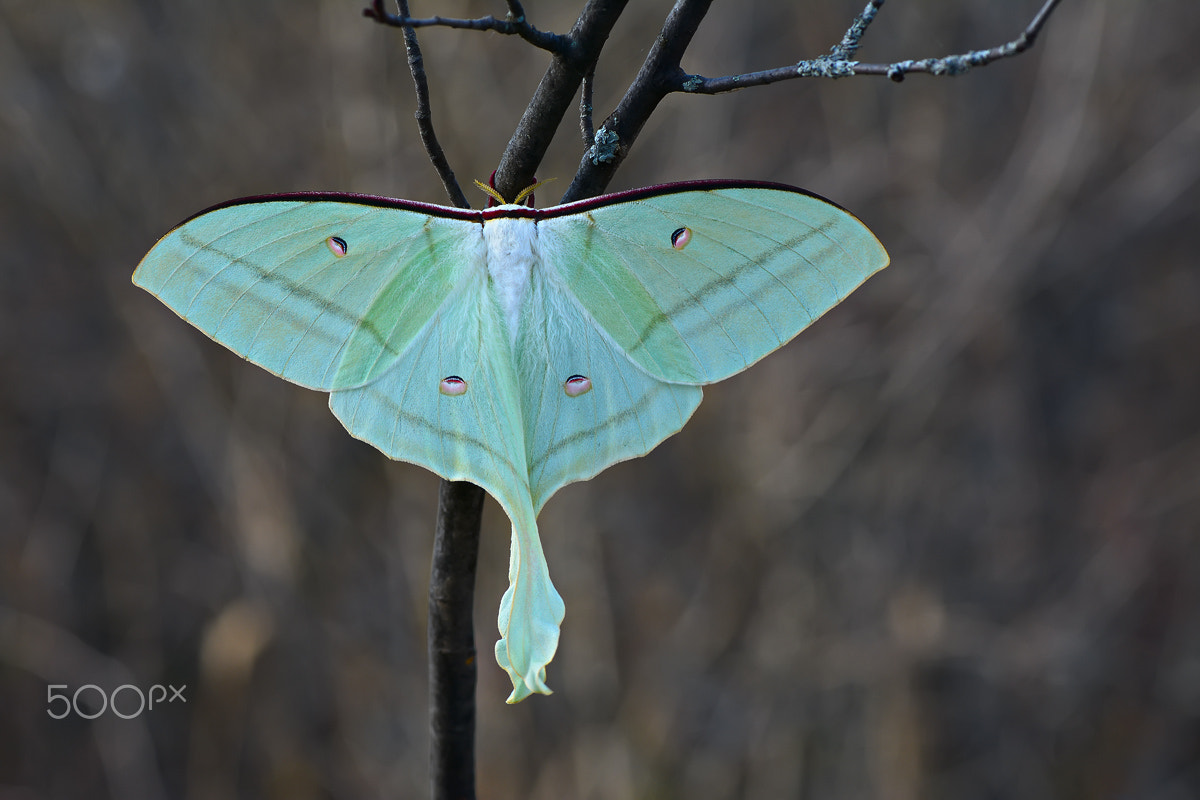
[(838, 63), (514, 24), (424, 115), (958, 64)]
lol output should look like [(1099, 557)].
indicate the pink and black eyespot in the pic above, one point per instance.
[(681, 237), (452, 386), (576, 385), (337, 246)]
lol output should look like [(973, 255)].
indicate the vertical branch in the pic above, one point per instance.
[(452, 663), (452, 656)]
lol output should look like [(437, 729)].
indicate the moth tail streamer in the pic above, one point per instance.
[(531, 612)]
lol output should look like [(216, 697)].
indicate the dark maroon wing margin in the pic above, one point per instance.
[(524, 212), (431, 209), (580, 206)]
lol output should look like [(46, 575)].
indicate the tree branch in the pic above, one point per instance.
[(554, 95), (958, 64), (452, 665), (838, 63), (659, 75), (514, 24)]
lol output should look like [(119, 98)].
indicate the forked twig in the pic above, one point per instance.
[(839, 62)]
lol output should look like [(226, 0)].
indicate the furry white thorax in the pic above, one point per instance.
[(512, 250)]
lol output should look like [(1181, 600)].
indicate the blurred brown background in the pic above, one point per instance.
[(944, 545)]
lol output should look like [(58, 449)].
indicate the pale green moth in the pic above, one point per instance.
[(516, 348)]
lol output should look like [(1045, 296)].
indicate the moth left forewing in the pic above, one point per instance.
[(256, 278), (294, 284)]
